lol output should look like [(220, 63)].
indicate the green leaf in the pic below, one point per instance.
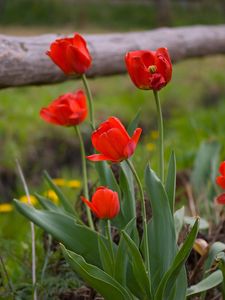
[(127, 200), (106, 259), (106, 285), (106, 176), (121, 256), (138, 266), (172, 274), (216, 248), (161, 230), (134, 123), (205, 160), (206, 284), (170, 186), (65, 203), (48, 204), (63, 228), (220, 258), (179, 221)]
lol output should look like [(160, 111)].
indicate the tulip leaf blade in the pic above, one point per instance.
[(207, 283), (121, 258), (170, 277), (65, 203), (127, 200), (106, 259), (106, 176), (106, 285), (62, 227), (138, 266), (170, 185), (48, 204), (134, 123), (161, 225)]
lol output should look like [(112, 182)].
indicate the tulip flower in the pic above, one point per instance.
[(149, 70), (68, 110), (220, 199), (104, 204), (220, 180), (113, 142), (70, 54)]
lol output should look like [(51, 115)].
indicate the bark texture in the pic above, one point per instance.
[(23, 60)]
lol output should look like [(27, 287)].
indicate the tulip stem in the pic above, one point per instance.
[(90, 100), (144, 216), (160, 128), (84, 170), (108, 232)]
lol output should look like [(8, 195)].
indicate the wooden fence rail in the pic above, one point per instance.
[(23, 60)]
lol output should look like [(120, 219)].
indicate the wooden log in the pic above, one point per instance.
[(23, 60)]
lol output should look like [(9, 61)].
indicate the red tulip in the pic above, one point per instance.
[(220, 180), (104, 203), (67, 110), (70, 54), (221, 199), (149, 70), (113, 142)]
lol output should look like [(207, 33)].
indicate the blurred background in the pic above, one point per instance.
[(193, 103)]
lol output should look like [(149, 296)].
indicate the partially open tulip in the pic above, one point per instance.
[(220, 199), (149, 70), (113, 142), (71, 55), (220, 180), (104, 204), (67, 110)]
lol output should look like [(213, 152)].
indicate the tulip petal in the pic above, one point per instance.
[(115, 123), (220, 180), (221, 199), (131, 146), (98, 157), (222, 168)]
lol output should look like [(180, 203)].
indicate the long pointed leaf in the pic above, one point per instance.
[(138, 266), (171, 275), (161, 229), (75, 237), (65, 203), (171, 181), (208, 283), (106, 285)]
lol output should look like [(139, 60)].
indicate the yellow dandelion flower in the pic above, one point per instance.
[(50, 194), (150, 147), (154, 134), (6, 207), (33, 199), (73, 183), (59, 181)]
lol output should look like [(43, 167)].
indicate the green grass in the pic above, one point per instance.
[(105, 14)]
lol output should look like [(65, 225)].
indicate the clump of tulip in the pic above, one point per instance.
[(144, 265)]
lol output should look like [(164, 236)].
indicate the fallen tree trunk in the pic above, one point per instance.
[(23, 60)]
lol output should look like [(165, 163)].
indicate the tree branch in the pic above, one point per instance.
[(23, 60)]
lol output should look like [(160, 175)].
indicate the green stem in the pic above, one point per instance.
[(90, 100), (147, 263), (84, 170), (108, 232), (160, 128)]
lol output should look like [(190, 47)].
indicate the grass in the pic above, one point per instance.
[(106, 14)]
